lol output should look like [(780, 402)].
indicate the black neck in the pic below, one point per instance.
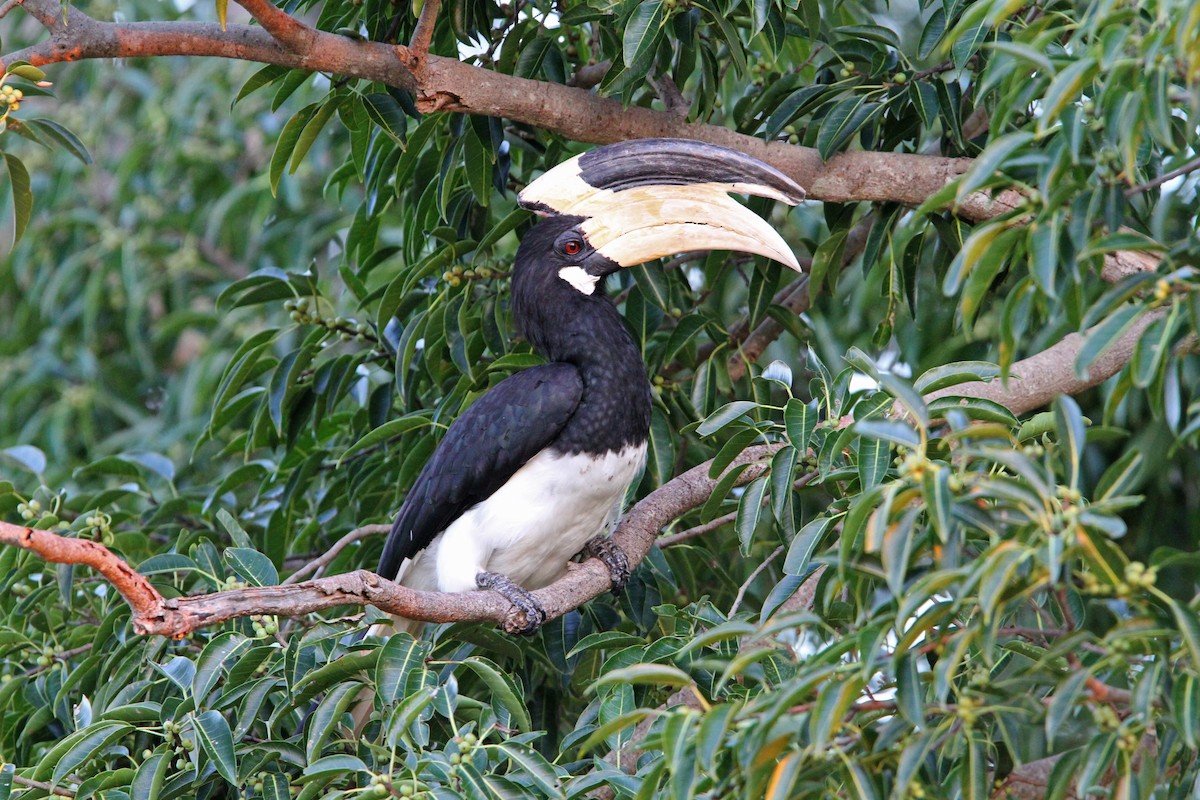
[(563, 324)]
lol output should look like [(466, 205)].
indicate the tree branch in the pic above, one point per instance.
[(283, 27), (1037, 380), (448, 84), (318, 564), (418, 47), (177, 617)]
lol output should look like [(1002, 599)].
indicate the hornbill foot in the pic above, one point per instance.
[(608, 551), (522, 600)]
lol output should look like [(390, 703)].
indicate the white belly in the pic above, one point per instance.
[(532, 526)]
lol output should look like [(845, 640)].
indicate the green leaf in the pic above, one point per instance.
[(75, 749), (967, 42), (27, 71), (477, 161), (644, 674), (1105, 335), (264, 77), (397, 660), (502, 688), (842, 122), (220, 649), (889, 430), (925, 99), (385, 112), (27, 456), (286, 144), (1189, 627), (22, 195), (1120, 241), (910, 691), (827, 261), (660, 456), (312, 129), (1065, 88), (529, 64), (748, 512), (1121, 476), (386, 431), (800, 420), (235, 530), (874, 455), (534, 766), (805, 542), (1072, 434), (642, 34), (327, 715), (215, 737), (56, 133), (1185, 707), (725, 415), (1044, 253), (931, 34), (334, 766), (148, 781), (252, 565), (1062, 703), (222, 10), (729, 34), (989, 161)]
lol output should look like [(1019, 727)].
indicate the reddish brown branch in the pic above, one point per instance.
[(142, 597), (448, 84), (423, 33), (283, 27), (177, 617)]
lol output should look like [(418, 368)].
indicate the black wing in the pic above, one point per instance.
[(482, 449)]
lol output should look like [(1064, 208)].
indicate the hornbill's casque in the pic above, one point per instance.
[(535, 471)]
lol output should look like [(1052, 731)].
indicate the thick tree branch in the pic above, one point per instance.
[(448, 84), (177, 617), (1037, 380)]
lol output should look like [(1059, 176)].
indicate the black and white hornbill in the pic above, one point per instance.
[(536, 470)]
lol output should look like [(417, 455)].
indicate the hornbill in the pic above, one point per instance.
[(535, 471)]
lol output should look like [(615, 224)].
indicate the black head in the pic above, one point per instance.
[(557, 251)]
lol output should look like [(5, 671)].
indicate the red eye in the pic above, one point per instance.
[(572, 248)]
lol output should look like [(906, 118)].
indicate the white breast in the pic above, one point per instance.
[(532, 525)]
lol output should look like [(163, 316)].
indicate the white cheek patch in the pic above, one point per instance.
[(579, 279)]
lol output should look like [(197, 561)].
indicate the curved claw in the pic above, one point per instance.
[(523, 601), (613, 556)]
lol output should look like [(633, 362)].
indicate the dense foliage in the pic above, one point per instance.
[(235, 336)]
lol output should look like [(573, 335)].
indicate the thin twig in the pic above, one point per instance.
[(1190, 166), (725, 519), (741, 595), (45, 787), (698, 530), (318, 565)]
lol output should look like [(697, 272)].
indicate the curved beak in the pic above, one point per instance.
[(649, 198)]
